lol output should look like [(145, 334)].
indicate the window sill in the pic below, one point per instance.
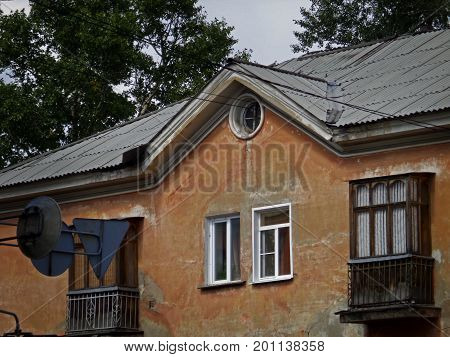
[(222, 285), (277, 280)]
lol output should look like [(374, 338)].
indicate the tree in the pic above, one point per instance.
[(71, 68), (331, 23)]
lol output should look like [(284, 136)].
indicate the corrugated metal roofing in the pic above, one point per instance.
[(397, 77), (102, 151)]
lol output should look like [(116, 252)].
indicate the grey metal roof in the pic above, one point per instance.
[(102, 151), (398, 77)]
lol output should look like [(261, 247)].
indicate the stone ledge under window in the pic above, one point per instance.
[(223, 285), (366, 315)]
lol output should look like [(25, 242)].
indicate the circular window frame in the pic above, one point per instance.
[(236, 118)]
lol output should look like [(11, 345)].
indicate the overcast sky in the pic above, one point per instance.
[(265, 26)]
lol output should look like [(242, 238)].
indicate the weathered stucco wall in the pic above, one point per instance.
[(228, 175)]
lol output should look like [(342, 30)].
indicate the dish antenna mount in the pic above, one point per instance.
[(44, 238)]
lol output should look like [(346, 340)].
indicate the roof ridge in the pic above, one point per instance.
[(325, 52), (44, 154), (297, 74)]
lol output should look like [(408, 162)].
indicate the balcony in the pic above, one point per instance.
[(112, 311), (390, 287)]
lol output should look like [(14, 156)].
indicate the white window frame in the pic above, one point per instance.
[(236, 116), (210, 250), (256, 239)]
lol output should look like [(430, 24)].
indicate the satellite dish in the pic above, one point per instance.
[(111, 233), (39, 227), (48, 242), (59, 259)]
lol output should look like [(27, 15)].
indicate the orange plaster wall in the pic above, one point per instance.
[(211, 181)]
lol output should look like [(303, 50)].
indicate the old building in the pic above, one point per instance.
[(306, 198)]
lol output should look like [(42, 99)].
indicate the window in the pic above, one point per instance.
[(107, 306), (246, 116), (121, 272), (251, 116), (223, 250), (272, 243), (390, 216)]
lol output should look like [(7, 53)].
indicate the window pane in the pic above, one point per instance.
[(220, 251), (235, 249), (110, 277), (252, 117), (362, 196), (93, 281), (399, 230), (276, 216), (267, 265), (380, 232), (79, 272), (379, 194), (424, 191), (268, 241), (414, 189), (398, 191), (424, 226), (415, 228), (362, 234), (128, 260), (284, 250)]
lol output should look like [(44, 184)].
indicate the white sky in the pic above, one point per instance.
[(265, 26)]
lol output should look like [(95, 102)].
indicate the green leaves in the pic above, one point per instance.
[(73, 67), (331, 23)]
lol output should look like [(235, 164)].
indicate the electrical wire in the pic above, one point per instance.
[(121, 32), (356, 107), (296, 90)]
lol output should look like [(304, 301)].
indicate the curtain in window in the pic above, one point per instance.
[(414, 196), (379, 197), (362, 196), (398, 195), (390, 216), (362, 222), (415, 228), (363, 233), (398, 191), (380, 232)]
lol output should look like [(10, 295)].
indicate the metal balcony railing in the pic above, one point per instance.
[(390, 280), (102, 311)]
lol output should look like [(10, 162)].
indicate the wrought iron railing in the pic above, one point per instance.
[(102, 310), (390, 280)]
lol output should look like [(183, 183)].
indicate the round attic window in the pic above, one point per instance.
[(246, 116)]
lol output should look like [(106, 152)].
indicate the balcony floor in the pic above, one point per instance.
[(388, 312), (107, 332)]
